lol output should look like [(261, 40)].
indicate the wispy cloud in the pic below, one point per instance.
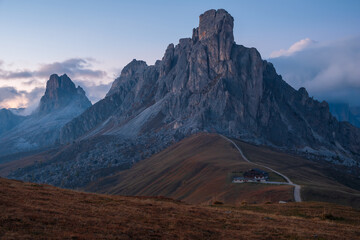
[(15, 75), (76, 67), (296, 47), (329, 71), (12, 98)]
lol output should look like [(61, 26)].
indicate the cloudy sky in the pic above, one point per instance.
[(312, 43), (329, 71)]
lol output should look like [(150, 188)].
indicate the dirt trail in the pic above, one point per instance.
[(297, 188)]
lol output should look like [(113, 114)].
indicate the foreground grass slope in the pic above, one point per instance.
[(33, 211)]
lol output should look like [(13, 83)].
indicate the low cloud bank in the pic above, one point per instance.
[(12, 98), (328, 71)]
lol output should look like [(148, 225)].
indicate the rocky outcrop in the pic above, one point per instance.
[(209, 83), (61, 102), (61, 92)]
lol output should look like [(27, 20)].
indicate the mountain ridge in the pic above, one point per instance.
[(61, 102), (239, 94)]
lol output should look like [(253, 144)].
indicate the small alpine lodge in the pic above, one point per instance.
[(253, 175)]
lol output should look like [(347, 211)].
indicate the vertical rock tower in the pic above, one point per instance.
[(210, 83)]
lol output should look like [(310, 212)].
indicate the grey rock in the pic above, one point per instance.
[(59, 93)]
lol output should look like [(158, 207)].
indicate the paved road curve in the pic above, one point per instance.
[(297, 187)]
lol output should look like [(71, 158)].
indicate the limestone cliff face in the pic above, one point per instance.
[(209, 83)]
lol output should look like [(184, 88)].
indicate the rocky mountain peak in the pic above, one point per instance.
[(61, 102), (209, 83), (128, 73), (60, 92), (215, 22), (57, 86), (216, 32)]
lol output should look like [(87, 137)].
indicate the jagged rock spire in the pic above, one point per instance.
[(209, 83), (216, 26), (61, 91)]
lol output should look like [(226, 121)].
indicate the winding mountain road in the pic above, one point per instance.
[(297, 187)]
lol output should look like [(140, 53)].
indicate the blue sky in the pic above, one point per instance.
[(105, 35)]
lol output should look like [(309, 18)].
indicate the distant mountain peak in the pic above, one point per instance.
[(61, 102), (60, 92), (56, 85)]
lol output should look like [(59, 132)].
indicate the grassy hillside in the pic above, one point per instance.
[(33, 211), (199, 169), (319, 180), (196, 170)]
